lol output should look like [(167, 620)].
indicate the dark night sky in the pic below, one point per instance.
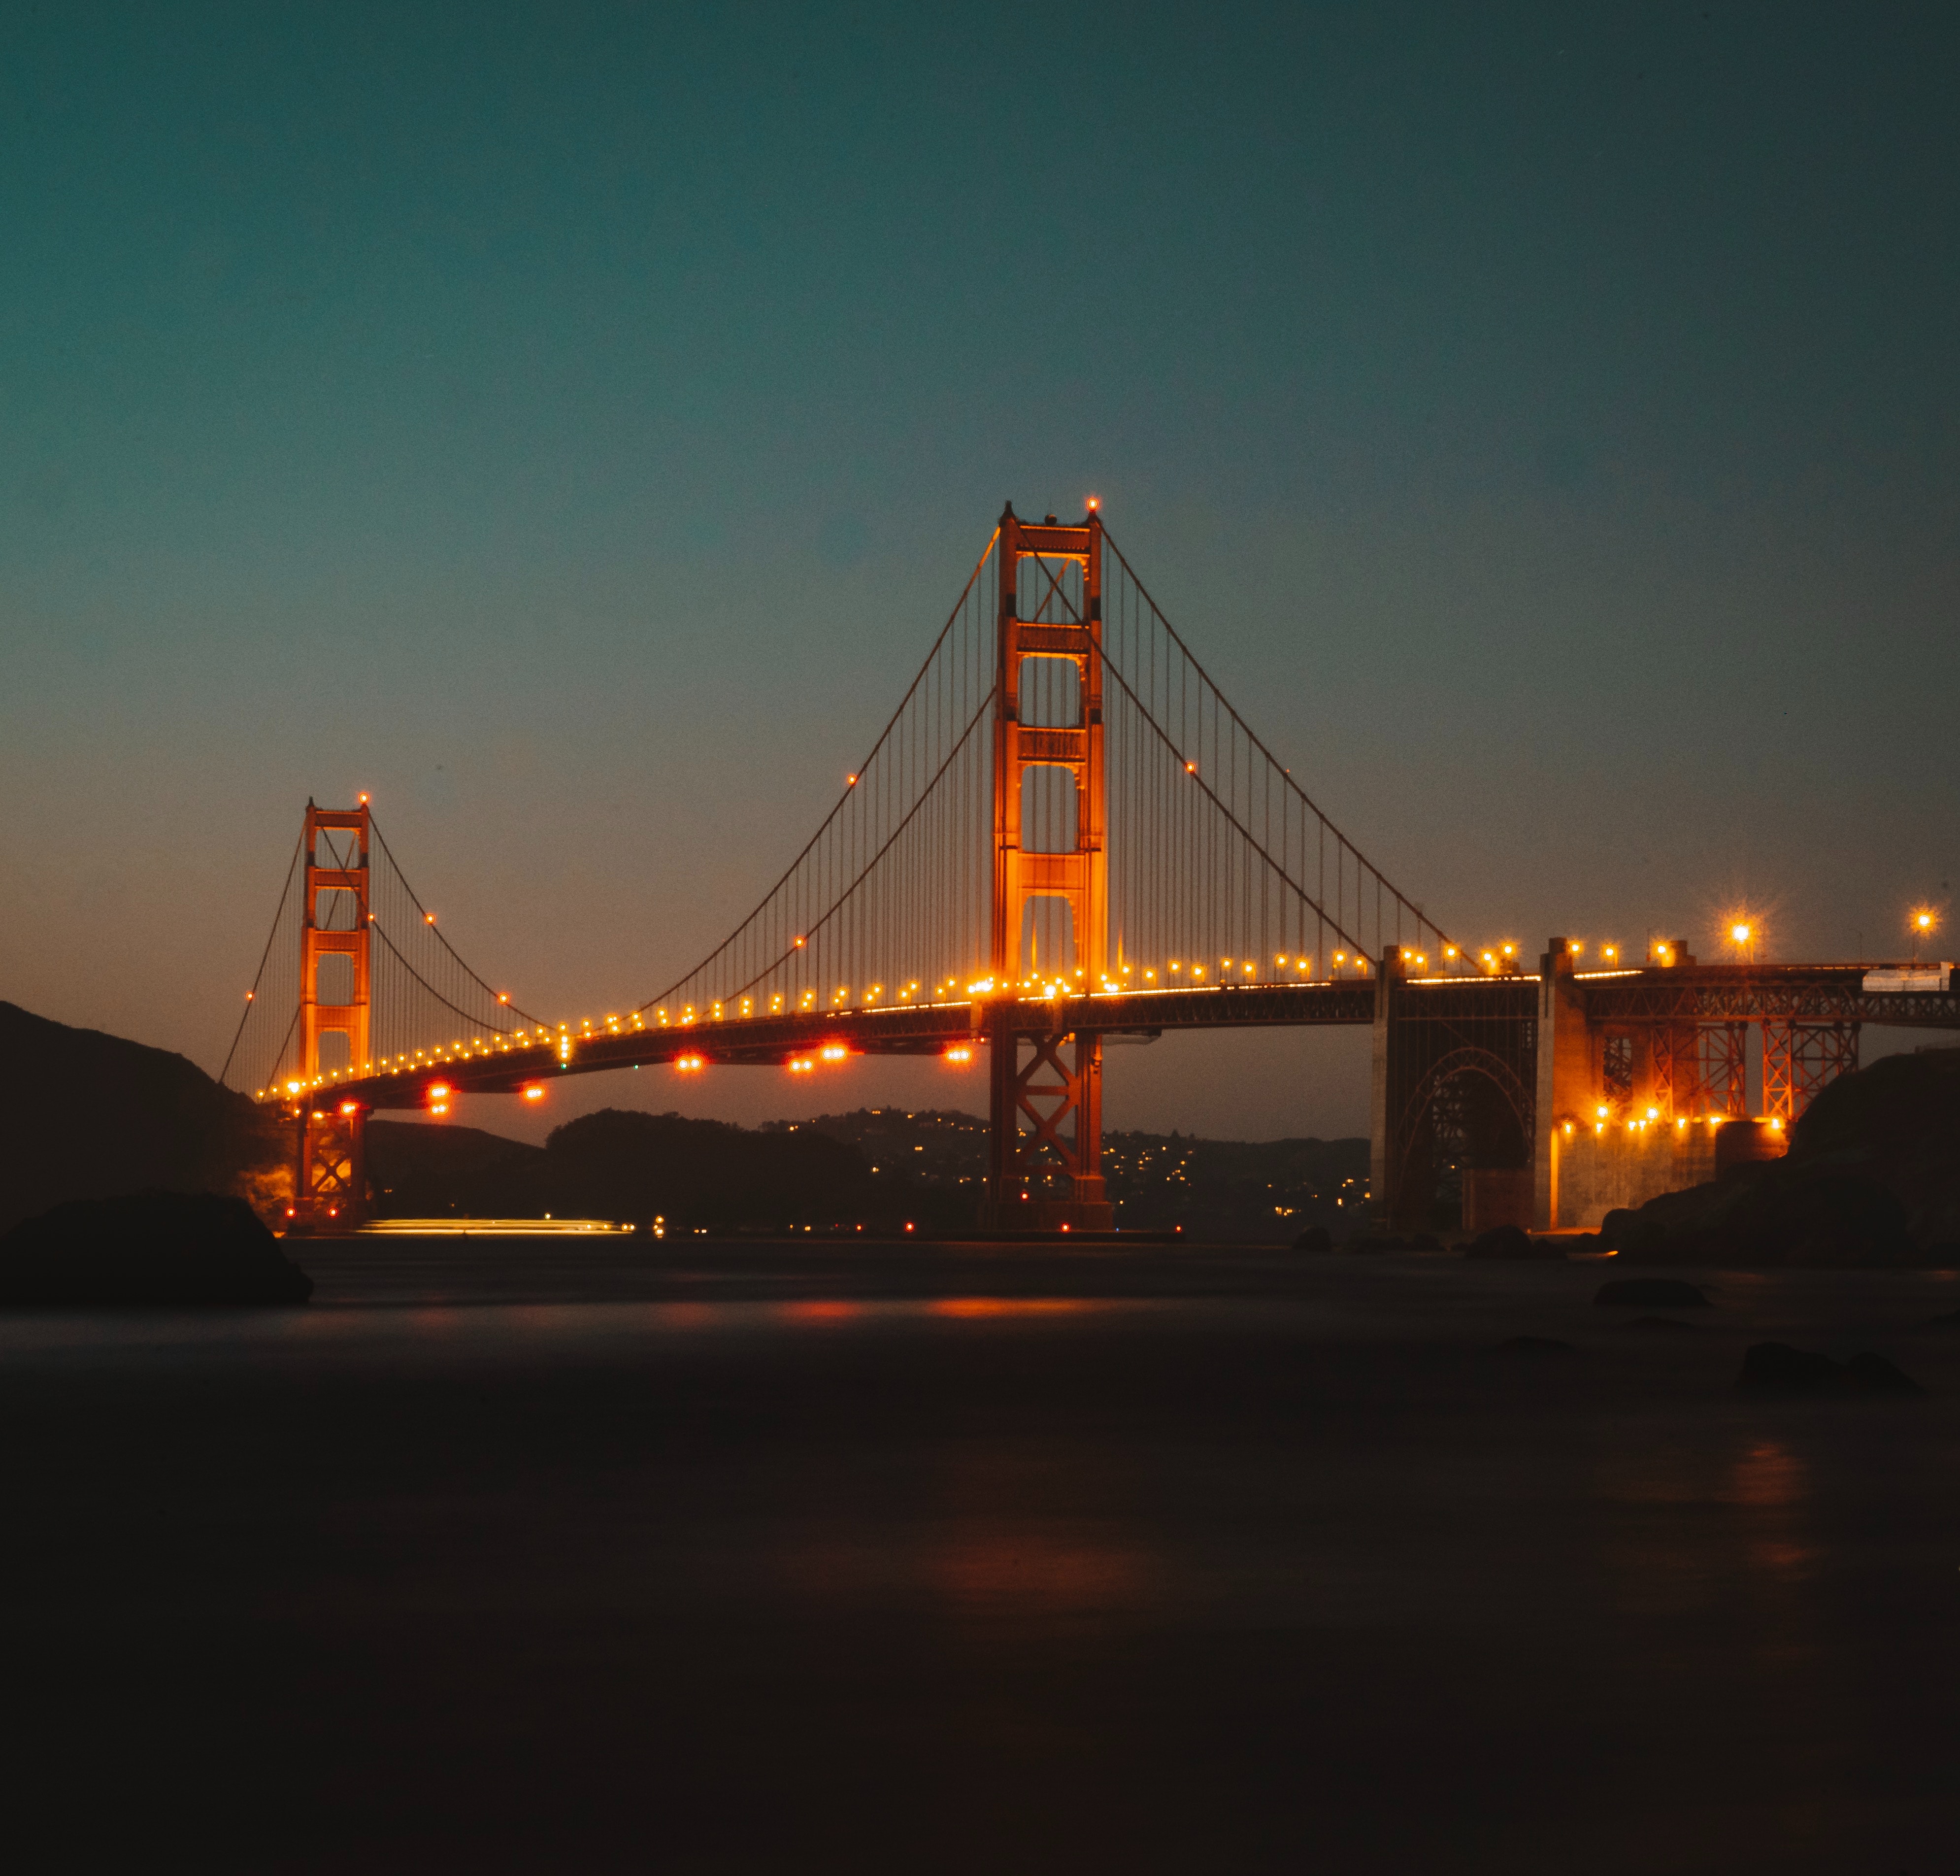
[(571, 423)]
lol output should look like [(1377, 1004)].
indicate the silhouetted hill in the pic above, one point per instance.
[(1245, 1191), (416, 1170), (626, 1164), (84, 1115)]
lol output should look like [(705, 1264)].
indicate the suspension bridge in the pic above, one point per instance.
[(1066, 832)]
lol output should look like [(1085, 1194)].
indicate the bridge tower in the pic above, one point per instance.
[(330, 1181), (1027, 1145)]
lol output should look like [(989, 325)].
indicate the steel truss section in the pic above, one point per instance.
[(1616, 1068), (1799, 1059), (1807, 993), (1724, 1071), (1675, 1057), (1040, 1177)]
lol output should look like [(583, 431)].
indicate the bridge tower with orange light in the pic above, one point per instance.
[(330, 1180), (1045, 1160)]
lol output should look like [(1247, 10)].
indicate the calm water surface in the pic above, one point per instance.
[(511, 1555)]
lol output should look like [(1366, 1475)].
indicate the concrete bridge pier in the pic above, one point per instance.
[(1454, 1083), (1562, 1096)]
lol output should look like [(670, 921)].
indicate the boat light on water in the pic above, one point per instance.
[(490, 1227)]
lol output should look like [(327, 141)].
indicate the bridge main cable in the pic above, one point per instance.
[(785, 955), (1422, 920)]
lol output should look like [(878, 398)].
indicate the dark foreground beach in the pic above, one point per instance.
[(577, 1555)]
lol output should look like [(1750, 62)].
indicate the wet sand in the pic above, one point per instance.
[(551, 1555)]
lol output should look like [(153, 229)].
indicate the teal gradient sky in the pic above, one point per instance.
[(571, 423)]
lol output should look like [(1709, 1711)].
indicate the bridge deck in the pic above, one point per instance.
[(494, 1066), (1822, 993)]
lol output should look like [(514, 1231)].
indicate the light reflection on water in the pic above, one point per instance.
[(439, 1326), (977, 1529)]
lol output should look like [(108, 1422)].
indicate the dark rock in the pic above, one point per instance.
[(1315, 1237), (1535, 1345), (1776, 1368), (1872, 1175), (1950, 1321), (1830, 1219), (1869, 1373), (1631, 1234), (1652, 1293), (1642, 1239), (1501, 1241), (1771, 1214), (1748, 1143), (155, 1248), (1508, 1242), (1903, 1107), (1614, 1224), (1660, 1322)]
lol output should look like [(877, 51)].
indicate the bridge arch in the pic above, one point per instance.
[(1473, 1094)]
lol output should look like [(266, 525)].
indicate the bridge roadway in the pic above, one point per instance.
[(494, 1066), (1707, 993)]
